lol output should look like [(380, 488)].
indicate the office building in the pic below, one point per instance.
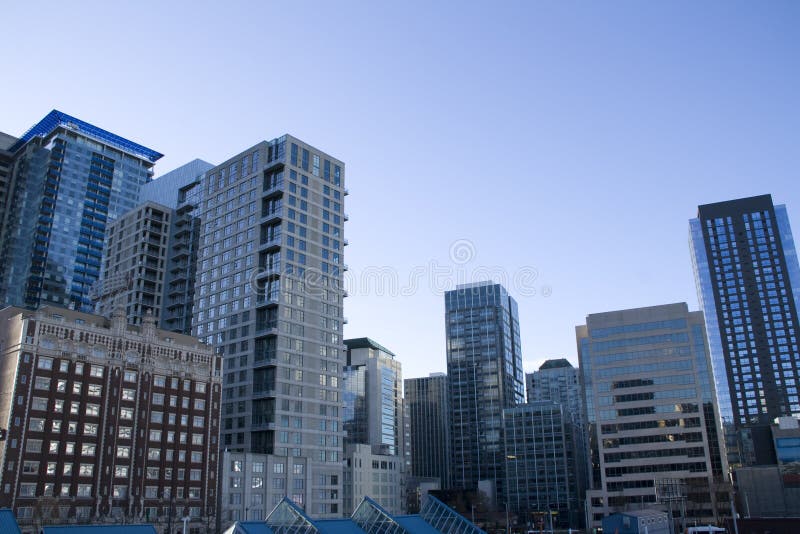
[(150, 257), (268, 296), (484, 372), (69, 180), (374, 441), (651, 412), (106, 421), (543, 464), (558, 381), (427, 404), (748, 284)]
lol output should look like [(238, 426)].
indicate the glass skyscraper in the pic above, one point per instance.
[(427, 404), (484, 370), (374, 446), (748, 284), (69, 180)]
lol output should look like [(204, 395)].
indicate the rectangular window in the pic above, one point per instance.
[(45, 363), (41, 383)]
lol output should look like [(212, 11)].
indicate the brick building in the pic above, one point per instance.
[(106, 421)]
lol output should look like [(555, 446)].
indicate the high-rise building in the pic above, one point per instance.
[(134, 263), (268, 296), (748, 284), (651, 411), (373, 420), (373, 396), (150, 257), (558, 381), (543, 464), (485, 376), (69, 180), (6, 161), (106, 422), (428, 411)]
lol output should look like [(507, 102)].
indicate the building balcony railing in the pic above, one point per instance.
[(264, 327)]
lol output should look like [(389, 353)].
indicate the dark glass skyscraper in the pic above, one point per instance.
[(427, 404), (68, 181), (484, 369), (748, 278)]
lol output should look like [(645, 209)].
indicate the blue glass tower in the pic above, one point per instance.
[(484, 369), (748, 278), (68, 181)]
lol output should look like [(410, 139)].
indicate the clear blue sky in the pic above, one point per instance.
[(573, 138)]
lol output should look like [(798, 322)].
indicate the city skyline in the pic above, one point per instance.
[(646, 116)]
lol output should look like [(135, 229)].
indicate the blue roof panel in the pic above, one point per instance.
[(338, 526), (55, 119), (415, 524), (8, 523), (100, 529)]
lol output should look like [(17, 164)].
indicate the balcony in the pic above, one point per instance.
[(273, 189), (271, 242), (265, 357), (264, 389), (267, 327)]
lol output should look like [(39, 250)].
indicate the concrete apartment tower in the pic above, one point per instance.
[(150, 256), (485, 376), (748, 284), (68, 180), (268, 296), (652, 415)]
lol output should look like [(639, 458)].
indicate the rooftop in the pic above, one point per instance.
[(57, 119)]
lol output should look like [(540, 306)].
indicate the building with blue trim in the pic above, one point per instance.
[(68, 180)]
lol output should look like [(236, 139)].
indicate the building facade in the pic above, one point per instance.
[(150, 256), (428, 411), (485, 376), (134, 263), (542, 464), (558, 381), (748, 283), (68, 181), (181, 190), (106, 421), (254, 484), (373, 421), (268, 296), (651, 412), (378, 476)]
